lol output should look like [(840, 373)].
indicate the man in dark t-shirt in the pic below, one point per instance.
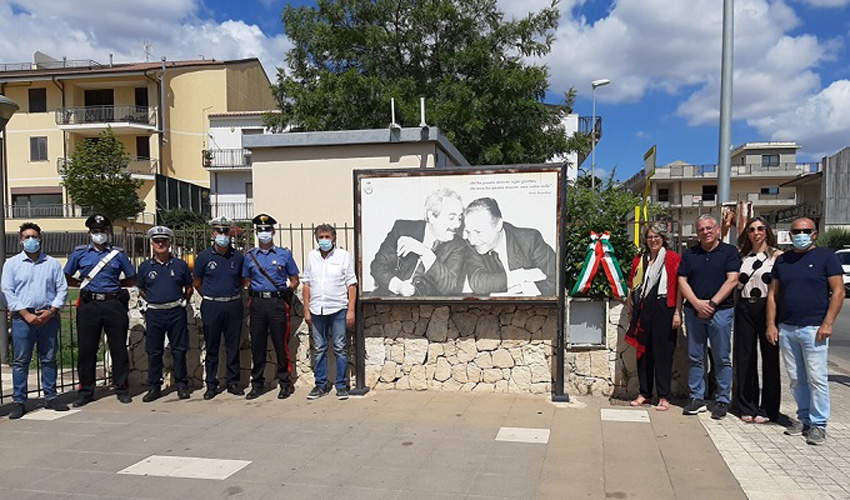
[(804, 299), (707, 276)]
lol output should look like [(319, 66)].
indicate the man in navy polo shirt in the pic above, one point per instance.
[(804, 299), (707, 276), (218, 271), (265, 272), (165, 282)]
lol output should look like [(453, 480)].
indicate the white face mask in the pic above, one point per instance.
[(98, 238), (265, 237)]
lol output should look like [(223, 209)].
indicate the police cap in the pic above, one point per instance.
[(97, 221), (158, 232), (264, 221), (221, 222)]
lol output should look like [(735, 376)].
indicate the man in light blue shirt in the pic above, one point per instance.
[(35, 290)]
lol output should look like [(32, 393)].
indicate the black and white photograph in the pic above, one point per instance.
[(436, 235)]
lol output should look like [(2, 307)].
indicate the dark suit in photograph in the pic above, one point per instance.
[(445, 277), (526, 250)]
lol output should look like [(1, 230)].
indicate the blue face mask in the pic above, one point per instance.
[(326, 245), (802, 241), (32, 245), (222, 240)]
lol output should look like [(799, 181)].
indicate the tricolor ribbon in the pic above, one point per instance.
[(600, 250)]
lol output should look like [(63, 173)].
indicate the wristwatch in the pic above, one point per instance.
[(712, 304)]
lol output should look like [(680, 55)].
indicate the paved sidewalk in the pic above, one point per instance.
[(771, 465), (388, 445)]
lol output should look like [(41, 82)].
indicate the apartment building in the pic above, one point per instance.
[(761, 175), (157, 109)]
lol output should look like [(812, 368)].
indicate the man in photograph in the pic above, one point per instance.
[(506, 259), (423, 257)]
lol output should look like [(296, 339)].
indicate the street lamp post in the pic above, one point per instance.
[(7, 109), (594, 84)]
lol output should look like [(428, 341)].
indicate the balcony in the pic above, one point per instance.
[(226, 159), (241, 211), (139, 167), (681, 171), (92, 120), (46, 212), (710, 200)]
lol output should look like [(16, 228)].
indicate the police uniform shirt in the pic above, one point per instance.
[(164, 282), (277, 262), (220, 272), (86, 257)]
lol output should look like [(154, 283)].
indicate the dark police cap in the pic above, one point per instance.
[(97, 221), (264, 220)]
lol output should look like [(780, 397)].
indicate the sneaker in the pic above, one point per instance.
[(719, 411), (316, 393), (210, 393), (55, 405), (816, 436), (255, 393), (124, 398), (694, 407), (235, 390), (182, 392), (17, 411), (797, 429), (153, 394), (342, 394)]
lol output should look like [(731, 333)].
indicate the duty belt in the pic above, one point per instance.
[(222, 299), (166, 305), (268, 295), (103, 296)]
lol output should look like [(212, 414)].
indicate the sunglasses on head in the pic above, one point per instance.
[(753, 229), (806, 230)]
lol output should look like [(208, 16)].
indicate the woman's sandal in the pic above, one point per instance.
[(748, 419), (758, 419), (639, 401), (663, 405)]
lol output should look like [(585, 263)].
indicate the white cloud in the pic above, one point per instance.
[(95, 28)]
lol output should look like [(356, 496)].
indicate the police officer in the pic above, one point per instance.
[(102, 307), (217, 278), (165, 283), (265, 272)]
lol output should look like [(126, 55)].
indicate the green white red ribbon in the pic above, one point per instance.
[(600, 251)]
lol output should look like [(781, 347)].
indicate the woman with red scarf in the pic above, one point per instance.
[(655, 309)]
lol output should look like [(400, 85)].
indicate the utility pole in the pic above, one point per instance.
[(725, 150)]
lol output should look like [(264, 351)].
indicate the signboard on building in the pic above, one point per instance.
[(438, 235)]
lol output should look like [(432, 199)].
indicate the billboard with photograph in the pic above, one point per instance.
[(486, 234)]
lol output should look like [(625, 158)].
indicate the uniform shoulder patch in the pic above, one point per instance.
[(117, 248), (80, 247)]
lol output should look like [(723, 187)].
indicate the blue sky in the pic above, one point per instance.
[(792, 61)]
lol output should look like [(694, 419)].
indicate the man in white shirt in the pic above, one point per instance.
[(330, 291)]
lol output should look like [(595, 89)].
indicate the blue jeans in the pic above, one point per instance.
[(333, 325), (718, 331), (805, 360), (24, 338)]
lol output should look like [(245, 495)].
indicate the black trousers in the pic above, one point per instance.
[(93, 318), (751, 328), (269, 318), (171, 322), (656, 364), (222, 318)]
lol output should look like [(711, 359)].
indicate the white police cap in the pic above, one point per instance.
[(221, 222), (160, 232)]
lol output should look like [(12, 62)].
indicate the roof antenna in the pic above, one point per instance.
[(393, 124), (148, 50)]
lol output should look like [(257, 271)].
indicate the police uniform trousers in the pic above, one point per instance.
[(222, 318), (93, 317), (269, 318), (171, 322)]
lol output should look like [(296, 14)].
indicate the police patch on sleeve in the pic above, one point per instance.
[(152, 275)]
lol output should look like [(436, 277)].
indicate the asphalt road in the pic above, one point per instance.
[(839, 344)]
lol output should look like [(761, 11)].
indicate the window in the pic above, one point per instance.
[(709, 193), (769, 160), (143, 147), (37, 205), (770, 190), (37, 100), (38, 148), (142, 96), (249, 190), (252, 131), (663, 194)]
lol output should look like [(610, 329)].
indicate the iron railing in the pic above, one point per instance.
[(585, 124), (64, 63), (683, 171), (141, 115), (226, 159), (61, 211), (236, 210), (710, 200), (136, 165)]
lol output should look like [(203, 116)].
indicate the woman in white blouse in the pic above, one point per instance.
[(757, 245)]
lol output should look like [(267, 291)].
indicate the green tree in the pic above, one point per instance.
[(96, 177), (470, 63), (181, 218)]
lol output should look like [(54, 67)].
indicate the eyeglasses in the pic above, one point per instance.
[(753, 229), (806, 230), (221, 230), (655, 237)]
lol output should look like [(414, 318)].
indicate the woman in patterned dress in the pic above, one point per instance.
[(757, 245)]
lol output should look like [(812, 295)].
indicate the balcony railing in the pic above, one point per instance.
[(64, 63), (586, 122), (710, 200), (233, 210), (139, 115), (710, 171), (226, 159), (136, 165), (64, 211)]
